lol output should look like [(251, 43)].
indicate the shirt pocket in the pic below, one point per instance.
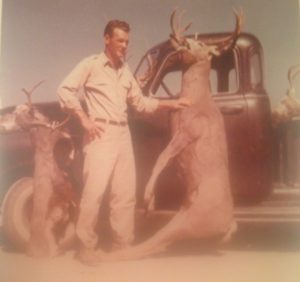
[(98, 84)]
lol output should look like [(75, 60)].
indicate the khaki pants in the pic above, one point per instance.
[(109, 157)]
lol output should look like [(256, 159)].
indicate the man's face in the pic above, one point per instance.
[(116, 45)]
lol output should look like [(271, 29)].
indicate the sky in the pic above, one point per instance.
[(44, 40)]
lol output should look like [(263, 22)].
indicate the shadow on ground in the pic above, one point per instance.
[(251, 236)]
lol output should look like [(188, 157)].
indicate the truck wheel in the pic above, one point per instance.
[(16, 212)]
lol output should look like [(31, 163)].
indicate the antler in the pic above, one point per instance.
[(40, 119), (179, 42), (29, 92), (176, 36), (226, 43), (289, 106), (292, 73)]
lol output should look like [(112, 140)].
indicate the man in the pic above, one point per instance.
[(109, 87)]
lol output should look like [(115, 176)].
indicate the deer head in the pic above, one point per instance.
[(26, 116), (193, 49)]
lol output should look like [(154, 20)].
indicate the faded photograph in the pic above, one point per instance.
[(150, 140)]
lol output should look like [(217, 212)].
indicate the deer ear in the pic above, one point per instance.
[(214, 50)]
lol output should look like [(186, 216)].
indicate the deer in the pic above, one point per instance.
[(54, 197), (198, 145), (289, 106)]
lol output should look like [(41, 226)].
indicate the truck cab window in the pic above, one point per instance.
[(145, 69), (223, 78), (255, 71)]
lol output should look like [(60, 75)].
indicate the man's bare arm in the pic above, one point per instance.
[(174, 104)]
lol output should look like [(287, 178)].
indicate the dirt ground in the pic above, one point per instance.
[(231, 266)]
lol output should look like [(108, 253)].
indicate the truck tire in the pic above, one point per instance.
[(16, 211)]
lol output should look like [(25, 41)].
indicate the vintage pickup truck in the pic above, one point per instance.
[(237, 86)]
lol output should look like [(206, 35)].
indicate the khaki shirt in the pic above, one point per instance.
[(107, 91)]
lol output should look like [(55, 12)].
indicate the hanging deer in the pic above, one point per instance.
[(289, 106), (53, 195), (199, 146)]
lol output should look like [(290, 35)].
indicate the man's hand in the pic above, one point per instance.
[(176, 104), (181, 103), (92, 129)]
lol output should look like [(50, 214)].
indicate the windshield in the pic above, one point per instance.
[(146, 69), (223, 78)]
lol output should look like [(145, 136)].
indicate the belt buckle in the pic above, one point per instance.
[(112, 122)]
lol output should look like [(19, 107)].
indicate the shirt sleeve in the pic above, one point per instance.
[(140, 103), (68, 89)]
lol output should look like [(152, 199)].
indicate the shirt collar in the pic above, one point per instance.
[(106, 62)]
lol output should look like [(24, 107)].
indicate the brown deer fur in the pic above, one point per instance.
[(53, 195)]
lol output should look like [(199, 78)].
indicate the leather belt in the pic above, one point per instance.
[(112, 122)]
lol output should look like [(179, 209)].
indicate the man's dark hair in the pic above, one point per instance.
[(111, 25)]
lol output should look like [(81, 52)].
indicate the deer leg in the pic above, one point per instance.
[(53, 219), (178, 142), (43, 191), (170, 233), (174, 230), (38, 245), (178, 228)]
